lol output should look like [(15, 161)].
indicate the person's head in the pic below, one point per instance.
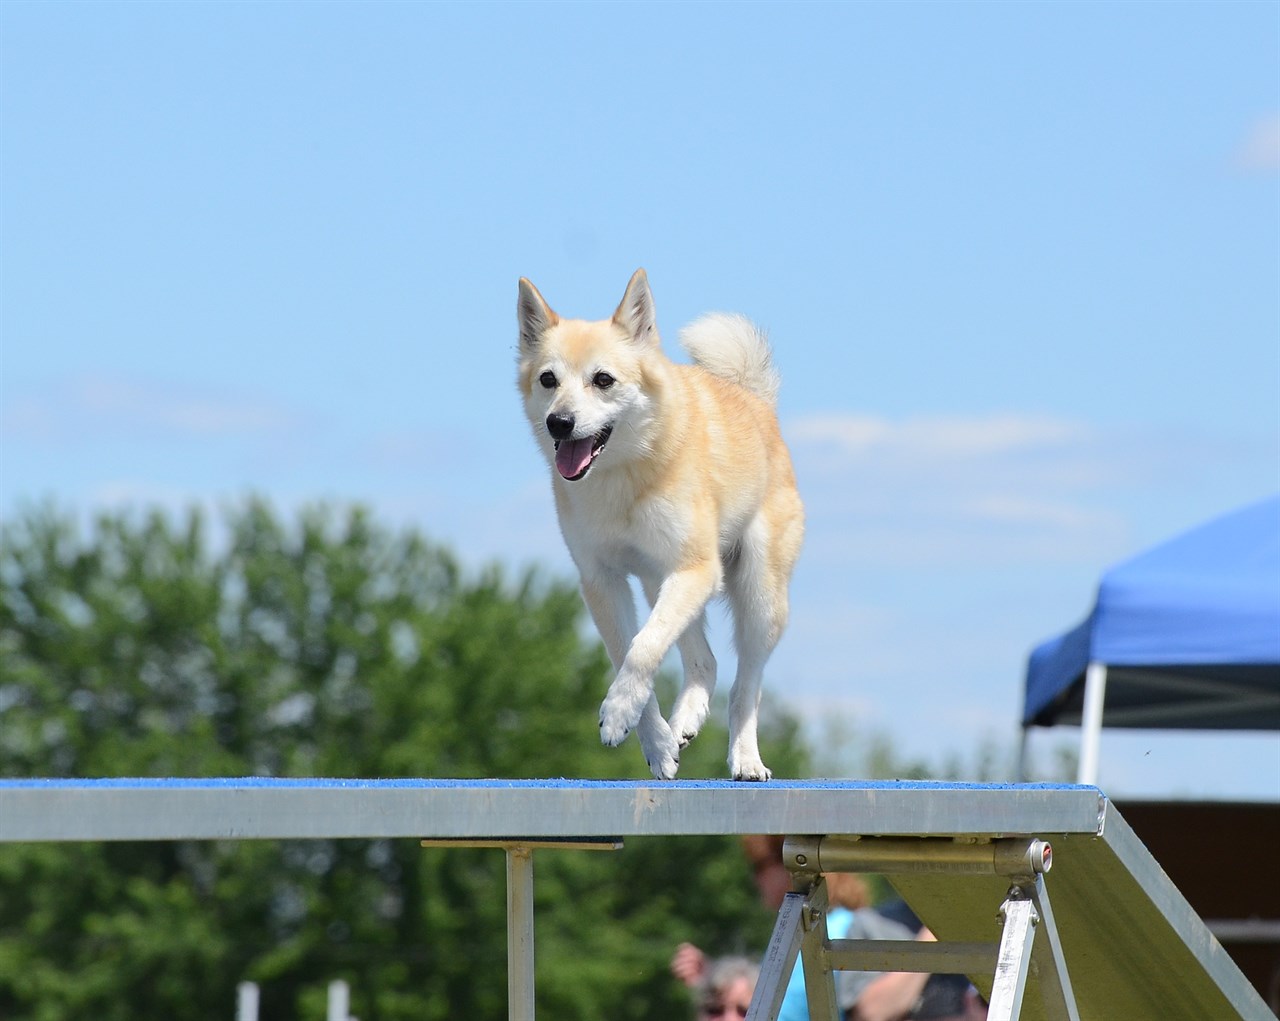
[(847, 890), (725, 993), (764, 853)]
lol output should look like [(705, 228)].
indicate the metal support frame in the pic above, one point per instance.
[(801, 926), (520, 931), (519, 851), (1019, 918)]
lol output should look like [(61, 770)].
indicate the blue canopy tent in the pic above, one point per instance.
[(1186, 635)]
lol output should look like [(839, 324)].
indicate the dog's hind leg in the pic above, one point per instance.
[(744, 713), (692, 705), (661, 751), (757, 588)]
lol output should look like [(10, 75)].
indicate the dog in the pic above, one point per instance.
[(678, 475)]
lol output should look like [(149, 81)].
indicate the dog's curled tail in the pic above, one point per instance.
[(731, 346)]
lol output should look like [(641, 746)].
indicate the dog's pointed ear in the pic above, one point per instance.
[(636, 314), (533, 314)]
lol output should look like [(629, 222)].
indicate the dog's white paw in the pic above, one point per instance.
[(749, 770), (661, 750), (621, 709), (613, 728), (689, 714)]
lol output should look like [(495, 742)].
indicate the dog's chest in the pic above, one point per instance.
[(644, 537)]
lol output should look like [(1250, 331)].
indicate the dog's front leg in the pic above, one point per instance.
[(681, 599), (612, 607), (608, 597), (692, 704)]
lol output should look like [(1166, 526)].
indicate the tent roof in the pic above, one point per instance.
[(1189, 632)]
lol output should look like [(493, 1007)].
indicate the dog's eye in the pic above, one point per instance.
[(603, 380), (548, 380)]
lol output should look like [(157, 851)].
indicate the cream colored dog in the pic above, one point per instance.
[(675, 474)]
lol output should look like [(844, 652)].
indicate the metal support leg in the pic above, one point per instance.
[(1025, 912), (801, 931), (1014, 959), (779, 960), (520, 933), (520, 981), (1051, 965), (819, 979)]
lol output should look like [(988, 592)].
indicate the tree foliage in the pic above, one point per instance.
[(149, 646)]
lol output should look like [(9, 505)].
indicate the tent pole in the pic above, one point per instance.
[(1095, 692)]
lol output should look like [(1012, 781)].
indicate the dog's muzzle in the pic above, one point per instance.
[(574, 457), (560, 426)]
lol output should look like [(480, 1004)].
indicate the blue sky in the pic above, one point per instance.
[(1020, 264)]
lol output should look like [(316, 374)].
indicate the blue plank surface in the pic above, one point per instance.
[(553, 783)]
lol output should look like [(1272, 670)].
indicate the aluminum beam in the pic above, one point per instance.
[(256, 808)]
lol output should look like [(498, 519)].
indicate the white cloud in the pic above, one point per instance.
[(1013, 510), (28, 418), (850, 433), (948, 490), (513, 522), (1260, 150), (177, 407), (94, 404), (125, 494), (935, 437)]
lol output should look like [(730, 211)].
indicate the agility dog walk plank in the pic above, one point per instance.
[(263, 808), (1131, 944)]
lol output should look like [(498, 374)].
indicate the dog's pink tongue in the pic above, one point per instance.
[(573, 456)]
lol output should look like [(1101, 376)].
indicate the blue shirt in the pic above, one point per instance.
[(865, 923)]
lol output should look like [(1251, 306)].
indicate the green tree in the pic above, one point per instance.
[(330, 647)]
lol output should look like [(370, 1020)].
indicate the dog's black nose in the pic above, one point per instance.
[(560, 426)]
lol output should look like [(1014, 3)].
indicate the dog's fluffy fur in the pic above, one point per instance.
[(676, 474)]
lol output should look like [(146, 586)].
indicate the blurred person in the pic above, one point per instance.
[(949, 998), (725, 989), (689, 965), (881, 996), (862, 996)]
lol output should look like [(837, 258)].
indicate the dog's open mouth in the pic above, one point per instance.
[(574, 457)]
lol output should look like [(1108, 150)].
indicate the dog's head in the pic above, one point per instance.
[(588, 386)]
